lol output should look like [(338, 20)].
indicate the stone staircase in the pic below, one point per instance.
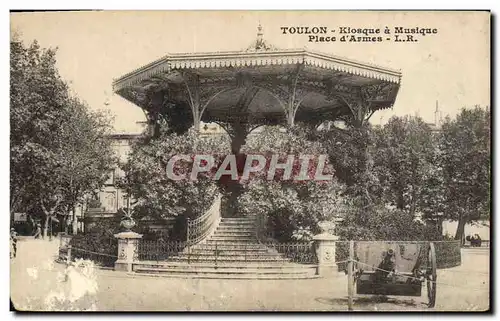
[(231, 252)]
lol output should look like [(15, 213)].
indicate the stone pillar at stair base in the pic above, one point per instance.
[(325, 251), (128, 243)]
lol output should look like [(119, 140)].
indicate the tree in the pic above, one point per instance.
[(86, 154), (465, 147), (58, 149), (294, 208), (157, 195), (405, 162), (387, 223), (37, 101), (350, 150)]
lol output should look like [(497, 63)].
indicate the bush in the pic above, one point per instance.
[(99, 239), (94, 203), (155, 193), (294, 208), (385, 224), (448, 254), (101, 250)]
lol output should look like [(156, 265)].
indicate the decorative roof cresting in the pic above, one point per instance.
[(259, 53)]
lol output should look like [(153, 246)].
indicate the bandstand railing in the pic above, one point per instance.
[(201, 227)]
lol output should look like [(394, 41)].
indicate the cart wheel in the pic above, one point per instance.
[(431, 276)]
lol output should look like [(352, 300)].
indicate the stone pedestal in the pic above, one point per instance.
[(325, 250), (128, 243), (64, 240)]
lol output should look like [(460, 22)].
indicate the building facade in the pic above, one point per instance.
[(106, 202)]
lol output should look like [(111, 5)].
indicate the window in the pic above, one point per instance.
[(110, 202)]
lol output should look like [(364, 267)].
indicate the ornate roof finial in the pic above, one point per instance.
[(260, 43)]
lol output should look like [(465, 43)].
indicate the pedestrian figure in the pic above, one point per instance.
[(476, 241), (38, 232), (387, 267), (13, 241)]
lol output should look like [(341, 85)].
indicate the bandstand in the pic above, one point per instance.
[(242, 90)]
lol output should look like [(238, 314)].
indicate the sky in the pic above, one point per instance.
[(451, 67)]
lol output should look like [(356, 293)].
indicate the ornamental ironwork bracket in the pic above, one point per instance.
[(287, 90), (200, 95), (360, 100)]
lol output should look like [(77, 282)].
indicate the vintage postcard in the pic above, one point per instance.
[(250, 161)]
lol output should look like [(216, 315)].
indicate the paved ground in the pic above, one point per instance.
[(464, 288)]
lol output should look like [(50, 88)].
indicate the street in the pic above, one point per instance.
[(463, 288)]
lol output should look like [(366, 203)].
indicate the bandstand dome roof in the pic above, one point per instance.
[(258, 82)]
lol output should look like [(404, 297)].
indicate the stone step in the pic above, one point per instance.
[(236, 245), (252, 217), (226, 242), (228, 276), (231, 230), (238, 224), (228, 247), (221, 250), (225, 271), (234, 233), (230, 253), (233, 238), (226, 265), (224, 259), (238, 220), (230, 234), (236, 227), (238, 255)]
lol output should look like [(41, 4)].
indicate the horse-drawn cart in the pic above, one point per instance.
[(393, 269)]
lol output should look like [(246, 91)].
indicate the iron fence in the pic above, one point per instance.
[(100, 259), (102, 253), (159, 250), (296, 252), (221, 252)]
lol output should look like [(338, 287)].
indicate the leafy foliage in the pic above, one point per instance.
[(158, 196), (351, 153), (294, 208), (465, 160), (448, 254), (405, 162), (387, 223), (99, 237), (422, 173), (59, 152)]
